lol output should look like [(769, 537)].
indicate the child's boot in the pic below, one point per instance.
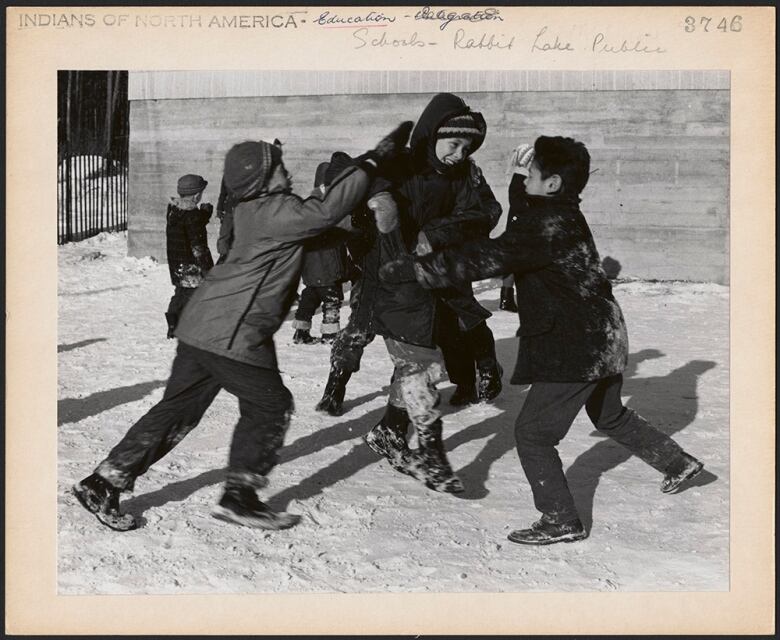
[(464, 394), (507, 301), (430, 462), (100, 497), (327, 338), (302, 333), (489, 382), (240, 505), (172, 319), (684, 468), (335, 388), (546, 531), (388, 439)]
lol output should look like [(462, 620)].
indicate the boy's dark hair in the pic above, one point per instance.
[(565, 157)]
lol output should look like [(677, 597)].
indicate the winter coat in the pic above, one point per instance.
[(243, 301), (448, 208), (186, 243), (571, 326), (325, 260)]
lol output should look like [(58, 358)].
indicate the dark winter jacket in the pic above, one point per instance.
[(325, 260), (447, 207), (186, 243), (243, 301), (571, 327)]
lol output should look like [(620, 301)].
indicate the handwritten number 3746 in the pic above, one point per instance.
[(725, 25)]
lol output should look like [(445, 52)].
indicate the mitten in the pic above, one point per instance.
[(399, 270), (431, 271), (385, 211), (521, 159)]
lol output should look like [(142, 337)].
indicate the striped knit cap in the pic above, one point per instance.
[(248, 165), (462, 126)]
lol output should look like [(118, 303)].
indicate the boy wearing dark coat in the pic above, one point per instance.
[(226, 337), (325, 269), (438, 206), (573, 343), (186, 242)]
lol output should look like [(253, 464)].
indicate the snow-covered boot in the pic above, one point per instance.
[(172, 319), (240, 505), (302, 336), (100, 497), (543, 531), (327, 338), (464, 394), (684, 468), (430, 462), (489, 382), (388, 439), (335, 388)]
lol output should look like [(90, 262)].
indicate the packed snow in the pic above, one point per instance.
[(366, 528)]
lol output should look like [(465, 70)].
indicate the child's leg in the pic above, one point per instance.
[(546, 416), (606, 411), (332, 297), (307, 305), (191, 389)]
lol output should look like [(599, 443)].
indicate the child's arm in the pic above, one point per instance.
[(196, 233), (513, 252), (292, 218)]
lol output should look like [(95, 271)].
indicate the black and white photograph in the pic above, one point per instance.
[(395, 485), (407, 331)]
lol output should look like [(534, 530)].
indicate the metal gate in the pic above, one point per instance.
[(93, 124)]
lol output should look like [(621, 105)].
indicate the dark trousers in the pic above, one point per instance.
[(196, 378), (179, 298), (548, 413), (330, 297), (351, 341), (465, 350)]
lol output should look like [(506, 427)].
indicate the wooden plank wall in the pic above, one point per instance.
[(658, 201)]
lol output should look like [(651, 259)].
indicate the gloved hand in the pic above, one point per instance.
[(385, 211), (399, 270), (521, 159), (392, 144), (431, 272)]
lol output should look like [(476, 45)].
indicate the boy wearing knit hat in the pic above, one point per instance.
[(226, 336), (186, 242), (573, 343), (440, 204)]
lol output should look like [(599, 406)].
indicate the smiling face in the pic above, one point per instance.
[(451, 151)]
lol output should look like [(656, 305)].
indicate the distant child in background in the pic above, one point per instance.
[(187, 246), (325, 269), (573, 344)]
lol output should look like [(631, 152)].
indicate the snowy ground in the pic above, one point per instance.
[(366, 528)]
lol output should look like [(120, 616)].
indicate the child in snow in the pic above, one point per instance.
[(573, 342), (226, 336), (185, 236), (438, 206), (325, 269)]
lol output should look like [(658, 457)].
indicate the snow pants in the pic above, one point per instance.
[(549, 411), (351, 341), (180, 297), (416, 369), (197, 376), (330, 297), (465, 352)]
